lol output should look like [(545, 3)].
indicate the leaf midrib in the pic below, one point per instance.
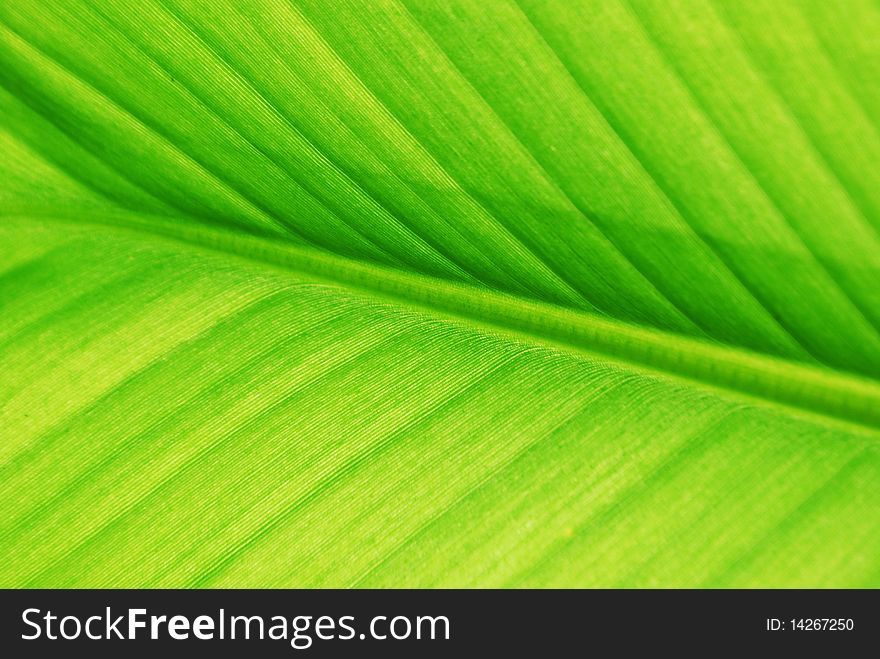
[(816, 391)]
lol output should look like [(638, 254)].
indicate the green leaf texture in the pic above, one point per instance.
[(483, 293)]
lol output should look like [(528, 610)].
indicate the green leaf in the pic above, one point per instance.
[(473, 293)]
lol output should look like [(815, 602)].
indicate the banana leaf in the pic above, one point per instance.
[(472, 293)]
